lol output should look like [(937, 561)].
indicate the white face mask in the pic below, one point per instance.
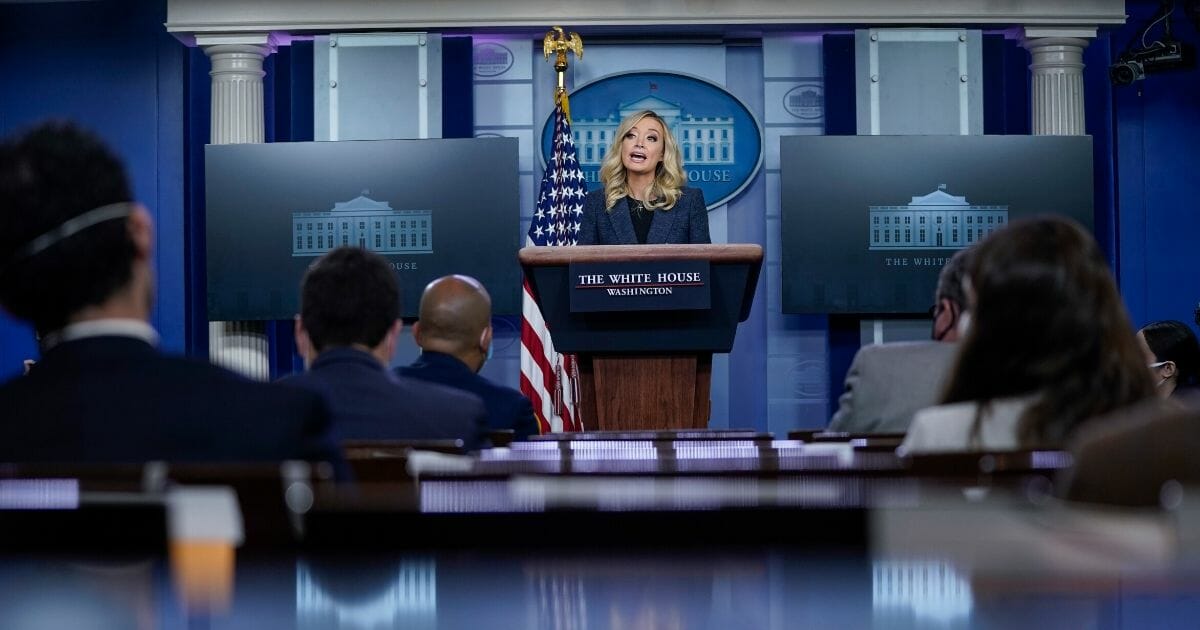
[(487, 355), (1154, 368), (964, 323)]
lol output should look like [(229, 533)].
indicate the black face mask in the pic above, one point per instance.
[(934, 311)]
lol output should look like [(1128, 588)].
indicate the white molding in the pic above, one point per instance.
[(323, 16), (226, 39), (1078, 32), (270, 41)]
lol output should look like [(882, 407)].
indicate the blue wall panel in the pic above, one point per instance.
[(196, 131), (840, 120), (1158, 220), (1099, 125), (1006, 86)]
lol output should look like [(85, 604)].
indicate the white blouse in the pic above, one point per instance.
[(947, 428)]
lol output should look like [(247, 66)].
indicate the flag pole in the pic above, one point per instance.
[(560, 43), (548, 378)]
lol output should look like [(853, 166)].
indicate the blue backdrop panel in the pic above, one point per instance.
[(1157, 131)]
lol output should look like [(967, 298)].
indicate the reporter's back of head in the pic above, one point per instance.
[(350, 297), (65, 237), (950, 299), (456, 314), (1047, 320)]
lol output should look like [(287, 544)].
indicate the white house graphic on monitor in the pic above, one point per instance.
[(703, 139), (938, 220), (362, 222)]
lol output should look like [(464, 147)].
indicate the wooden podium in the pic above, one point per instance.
[(644, 369)]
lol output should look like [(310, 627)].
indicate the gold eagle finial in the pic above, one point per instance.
[(558, 41)]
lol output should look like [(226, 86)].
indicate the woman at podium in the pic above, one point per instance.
[(644, 200)]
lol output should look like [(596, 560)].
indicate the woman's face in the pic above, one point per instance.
[(1162, 370), (1147, 353), (642, 146)]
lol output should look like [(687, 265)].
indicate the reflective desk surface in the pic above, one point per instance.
[(945, 560)]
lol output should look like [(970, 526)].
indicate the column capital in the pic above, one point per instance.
[(1039, 44)]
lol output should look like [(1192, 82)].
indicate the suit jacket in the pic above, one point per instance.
[(367, 401), (507, 408), (1125, 457), (887, 383), (117, 399), (686, 222)]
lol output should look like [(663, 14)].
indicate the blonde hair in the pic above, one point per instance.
[(669, 176)]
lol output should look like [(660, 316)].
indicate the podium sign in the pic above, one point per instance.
[(657, 285), (641, 368)]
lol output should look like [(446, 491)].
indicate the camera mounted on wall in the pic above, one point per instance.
[(1164, 53)]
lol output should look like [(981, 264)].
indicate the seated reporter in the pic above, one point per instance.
[(888, 382), (1047, 345), (1173, 354), (346, 331), (76, 261), (455, 335)]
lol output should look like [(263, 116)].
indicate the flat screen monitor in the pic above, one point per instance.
[(430, 207), (868, 221)]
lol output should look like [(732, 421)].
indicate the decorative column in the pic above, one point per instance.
[(237, 117), (1057, 81), (237, 85)]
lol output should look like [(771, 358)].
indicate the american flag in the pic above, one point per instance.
[(548, 378)]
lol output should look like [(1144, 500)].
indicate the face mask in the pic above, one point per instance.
[(1155, 366), (935, 312), (964, 324), (488, 353)]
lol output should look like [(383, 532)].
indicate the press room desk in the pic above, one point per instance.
[(945, 561)]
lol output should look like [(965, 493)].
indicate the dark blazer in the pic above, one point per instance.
[(369, 402), (507, 408), (116, 399), (686, 222)]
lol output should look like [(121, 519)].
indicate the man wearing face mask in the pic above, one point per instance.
[(347, 330), (455, 335), (887, 383)]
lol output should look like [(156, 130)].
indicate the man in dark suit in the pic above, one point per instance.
[(455, 335), (347, 329), (888, 382), (75, 261)]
